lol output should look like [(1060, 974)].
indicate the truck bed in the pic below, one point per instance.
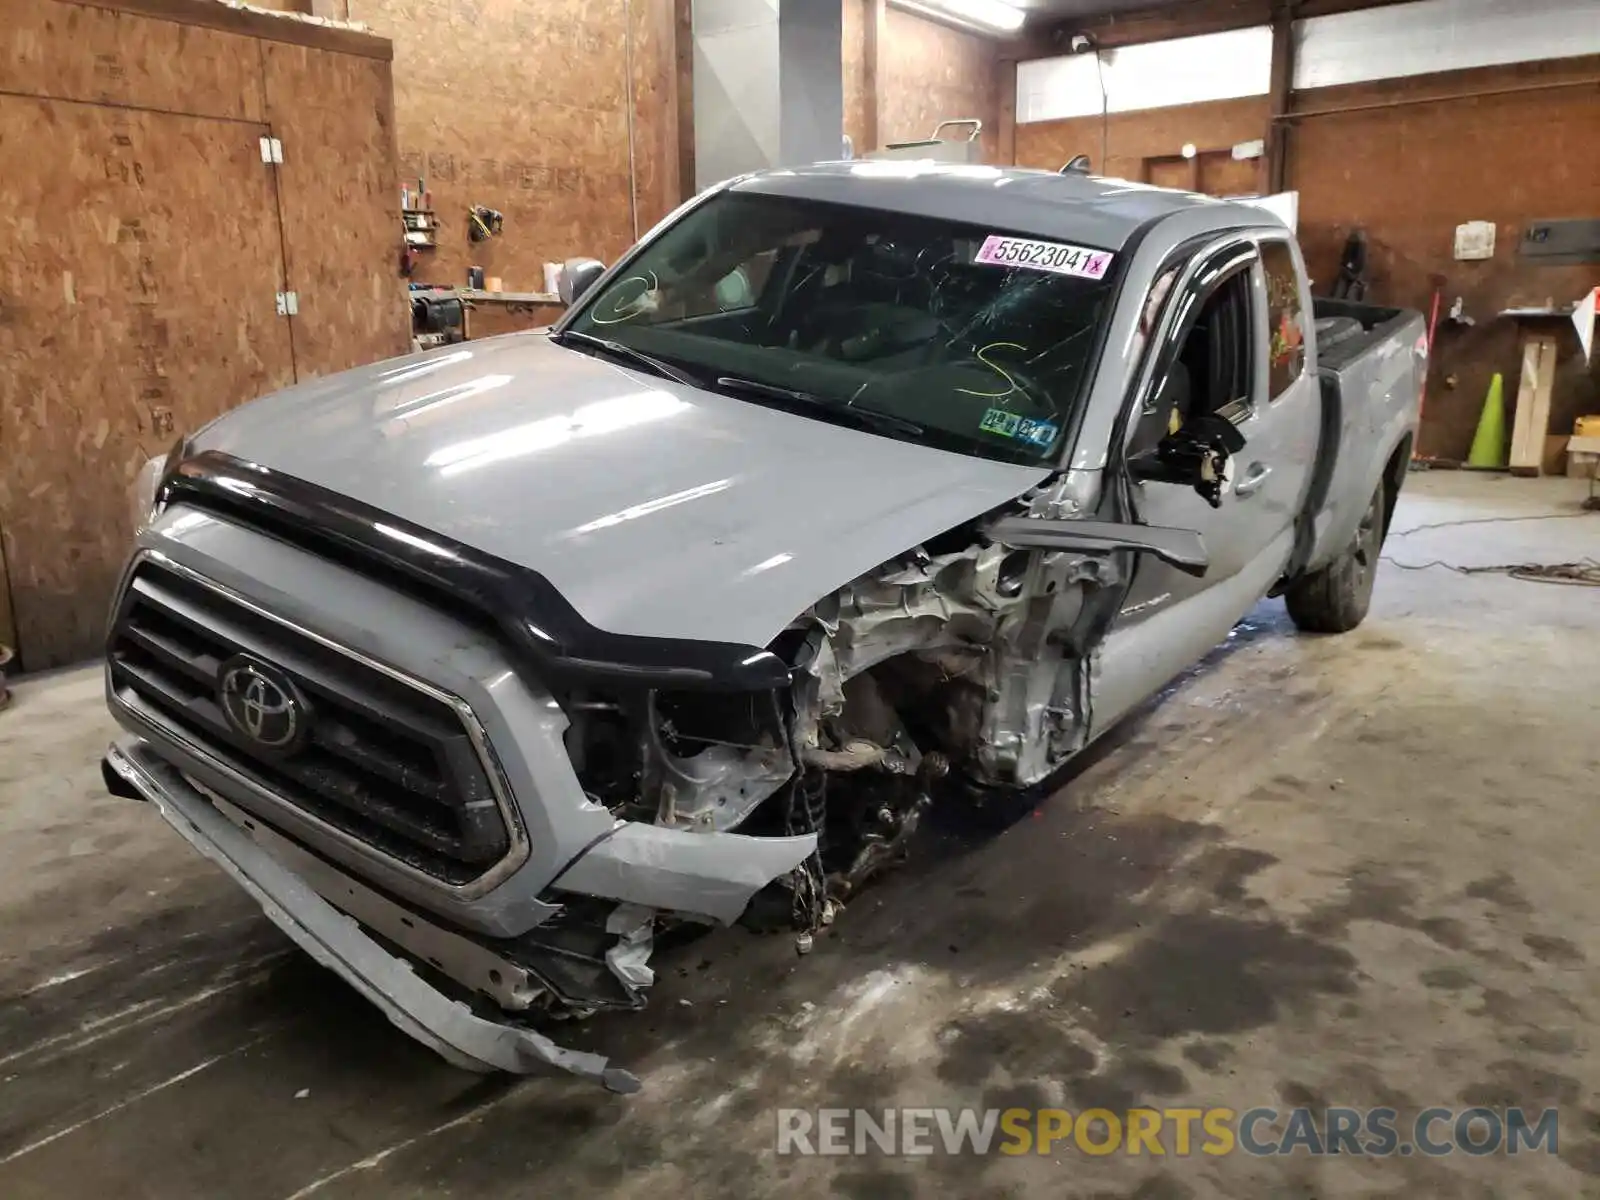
[(1377, 323), (1369, 380)]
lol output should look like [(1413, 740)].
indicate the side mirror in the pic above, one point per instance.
[(577, 277), (1196, 456)]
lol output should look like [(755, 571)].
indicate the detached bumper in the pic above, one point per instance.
[(336, 941)]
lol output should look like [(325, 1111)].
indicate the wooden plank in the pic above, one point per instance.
[(657, 93), (1174, 20), (1006, 153), (1534, 390), (8, 624), (1278, 94), (338, 196), (208, 14), (683, 182), (136, 300), (874, 32), (77, 52), (1555, 453), (1522, 417)]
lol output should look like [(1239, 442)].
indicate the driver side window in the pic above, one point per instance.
[(1216, 354), (1211, 370)]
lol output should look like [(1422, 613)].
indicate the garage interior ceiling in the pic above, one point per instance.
[(1059, 10)]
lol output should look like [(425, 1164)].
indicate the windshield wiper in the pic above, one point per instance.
[(637, 357), (865, 418)]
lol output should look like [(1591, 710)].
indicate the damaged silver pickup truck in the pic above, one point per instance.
[(851, 490)]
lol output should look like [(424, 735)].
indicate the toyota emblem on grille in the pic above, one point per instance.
[(262, 705)]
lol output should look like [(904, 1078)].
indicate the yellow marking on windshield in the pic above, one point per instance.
[(646, 301), (997, 369)]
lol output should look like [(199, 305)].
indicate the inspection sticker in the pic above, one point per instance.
[(1000, 251), (1023, 429)]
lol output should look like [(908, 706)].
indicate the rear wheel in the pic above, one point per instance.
[(1336, 598)]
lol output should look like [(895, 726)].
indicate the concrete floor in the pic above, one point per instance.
[(1352, 871)]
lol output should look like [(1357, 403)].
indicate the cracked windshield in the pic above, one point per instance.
[(955, 336)]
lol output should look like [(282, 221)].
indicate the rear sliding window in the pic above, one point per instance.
[(1286, 345)]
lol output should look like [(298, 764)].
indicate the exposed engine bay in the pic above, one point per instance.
[(958, 669)]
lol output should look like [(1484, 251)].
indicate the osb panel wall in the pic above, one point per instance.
[(136, 299), (144, 251), (105, 57), (1130, 138), (334, 114), (523, 108), (1410, 175), (930, 73), (657, 164), (853, 61)]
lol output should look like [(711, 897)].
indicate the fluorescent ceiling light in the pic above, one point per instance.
[(989, 16)]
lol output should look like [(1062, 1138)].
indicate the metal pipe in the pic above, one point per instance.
[(1406, 101)]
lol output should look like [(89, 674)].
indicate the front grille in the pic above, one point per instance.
[(382, 761)]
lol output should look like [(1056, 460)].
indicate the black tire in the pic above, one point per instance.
[(1336, 598)]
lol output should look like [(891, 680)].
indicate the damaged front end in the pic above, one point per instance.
[(957, 669)]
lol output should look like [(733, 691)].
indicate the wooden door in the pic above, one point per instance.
[(341, 205), (137, 300)]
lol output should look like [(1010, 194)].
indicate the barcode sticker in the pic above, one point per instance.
[(1000, 251)]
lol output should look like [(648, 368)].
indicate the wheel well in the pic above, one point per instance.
[(1394, 477)]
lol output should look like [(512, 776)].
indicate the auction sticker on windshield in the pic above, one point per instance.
[(1054, 257)]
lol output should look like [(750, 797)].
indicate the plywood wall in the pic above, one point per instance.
[(1131, 138), (927, 73), (145, 247), (853, 77), (133, 310), (930, 73), (523, 108), (662, 102), (1410, 175), (335, 116)]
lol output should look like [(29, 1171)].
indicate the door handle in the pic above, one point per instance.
[(1253, 479)]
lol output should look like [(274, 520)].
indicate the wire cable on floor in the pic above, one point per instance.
[(1400, 533), (1573, 574)]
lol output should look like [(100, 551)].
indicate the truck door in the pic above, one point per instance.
[(1230, 344)]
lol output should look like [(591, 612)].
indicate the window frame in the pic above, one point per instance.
[(1285, 242), (1211, 262)]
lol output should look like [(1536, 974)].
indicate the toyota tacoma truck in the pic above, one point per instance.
[(850, 490)]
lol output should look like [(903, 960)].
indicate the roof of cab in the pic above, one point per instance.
[(1085, 209)]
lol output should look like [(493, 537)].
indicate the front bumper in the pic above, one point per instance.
[(337, 941)]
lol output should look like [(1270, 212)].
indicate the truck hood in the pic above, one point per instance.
[(655, 509)]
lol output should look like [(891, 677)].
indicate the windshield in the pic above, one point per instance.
[(953, 335)]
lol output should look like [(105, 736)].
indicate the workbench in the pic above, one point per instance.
[(489, 313)]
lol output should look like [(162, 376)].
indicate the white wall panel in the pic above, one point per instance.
[(1440, 35), (1214, 66)]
